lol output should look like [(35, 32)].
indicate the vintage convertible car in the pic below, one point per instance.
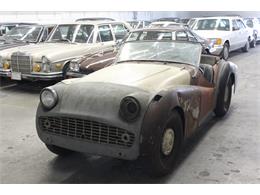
[(93, 62), (158, 92), (50, 60)]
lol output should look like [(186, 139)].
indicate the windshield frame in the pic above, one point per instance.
[(117, 61), (77, 28)]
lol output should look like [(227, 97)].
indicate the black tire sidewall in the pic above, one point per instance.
[(226, 46), (221, 109), (161, 164)]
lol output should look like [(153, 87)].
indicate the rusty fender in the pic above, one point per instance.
[(186, 100)]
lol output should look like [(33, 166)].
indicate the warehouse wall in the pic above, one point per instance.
[(70, 16)]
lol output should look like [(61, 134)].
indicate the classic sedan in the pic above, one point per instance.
[(50, 60), (225, 33), (145, 105)]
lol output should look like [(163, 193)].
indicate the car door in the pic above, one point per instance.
[(243, 33), (234, 36), (107, 52)]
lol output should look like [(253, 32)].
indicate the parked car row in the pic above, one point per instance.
[(55, 52)]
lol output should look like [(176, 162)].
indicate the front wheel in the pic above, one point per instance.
[(167, 145), (253, 43), (225, 52), (246, 47), (58, 150)]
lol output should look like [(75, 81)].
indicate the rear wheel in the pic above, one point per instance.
[(167, 146), (58, 150)]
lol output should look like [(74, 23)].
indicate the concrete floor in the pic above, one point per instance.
[(223, 151)]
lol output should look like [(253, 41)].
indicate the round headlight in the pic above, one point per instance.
[(48, 98), (6, 65), (129, 108), (36, 68)]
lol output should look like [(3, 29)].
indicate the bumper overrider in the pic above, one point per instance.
[(86, 119)]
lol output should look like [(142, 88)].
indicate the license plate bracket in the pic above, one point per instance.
[(16, 76)]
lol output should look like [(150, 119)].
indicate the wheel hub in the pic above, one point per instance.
[(168, 141)]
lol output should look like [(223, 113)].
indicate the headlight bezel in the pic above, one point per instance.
[(55, 98), (46, 65), (74, 66), (130, 109)]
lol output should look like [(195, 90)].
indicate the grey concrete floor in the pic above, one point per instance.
[(223, 151)]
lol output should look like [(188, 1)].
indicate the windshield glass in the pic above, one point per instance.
[(24, 33), (163, 51), (72, 33), (206, 24)]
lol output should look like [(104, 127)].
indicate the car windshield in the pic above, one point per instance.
[(24, 33), (206, 24), (161, 51), (72, 33), (133, 24)]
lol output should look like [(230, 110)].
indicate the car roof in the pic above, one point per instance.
[(165, 29), (94, 22), (215, 17)]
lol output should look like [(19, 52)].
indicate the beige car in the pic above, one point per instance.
[(50, 60)]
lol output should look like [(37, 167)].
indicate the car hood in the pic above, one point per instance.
[(53, 51), (147, 76), (212, 33)]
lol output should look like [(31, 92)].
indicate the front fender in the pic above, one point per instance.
[(186, 99)]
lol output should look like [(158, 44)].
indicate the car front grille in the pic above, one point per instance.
[(87, 130), (21, 63)]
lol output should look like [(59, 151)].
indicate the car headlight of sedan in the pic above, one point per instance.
[(129, 109), (74, 66), (46, 65), (6, 65), (48, 98), (215, 41)]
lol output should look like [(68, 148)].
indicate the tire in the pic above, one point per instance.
[(58, 150), (253, 43), (246, 47), (162, 158), (65, 70), (225, 52), (224, 98)]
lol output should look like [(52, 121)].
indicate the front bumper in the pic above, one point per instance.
[(71, 74), (216, 50), (43, 77)]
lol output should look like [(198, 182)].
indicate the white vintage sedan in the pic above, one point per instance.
[(226, 33), (50, 60)]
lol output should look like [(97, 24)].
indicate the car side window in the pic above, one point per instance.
[(181, 36), (46, 33), (120, 31), (105, 33), (224, 25), (234, 25), (240, 24), (84, 33)]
